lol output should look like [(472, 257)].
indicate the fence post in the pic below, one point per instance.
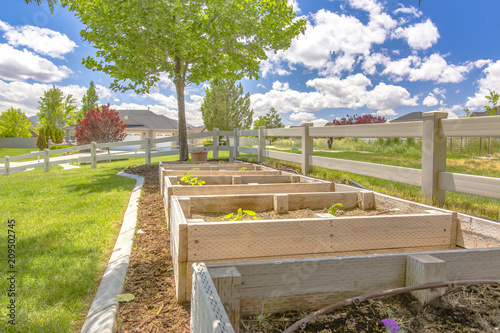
[(215, 144), (262, 144), (307, 147), (46, 166), (236, 143), (148, 151), (433, 156), (93, 155), (7, 165)]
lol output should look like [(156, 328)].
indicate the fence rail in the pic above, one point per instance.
[(434, 130)]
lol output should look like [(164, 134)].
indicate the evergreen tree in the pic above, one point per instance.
[(89, 101), (41, 142), (225, 107)]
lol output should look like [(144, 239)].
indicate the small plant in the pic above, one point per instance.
[(240, 215), (195, 169), (265, 312), (243, 169), (191, 180), (222, 162), (333, 208)]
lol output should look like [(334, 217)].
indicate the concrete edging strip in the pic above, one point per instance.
[(102, 313)]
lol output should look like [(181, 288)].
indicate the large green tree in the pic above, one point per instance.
[(55, 110), (225, 107), (272, 119), (89, 101), (193, 41), (13, 123)]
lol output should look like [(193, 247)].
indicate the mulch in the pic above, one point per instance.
[(150, 275)]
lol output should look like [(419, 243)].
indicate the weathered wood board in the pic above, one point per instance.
[(305, 284)]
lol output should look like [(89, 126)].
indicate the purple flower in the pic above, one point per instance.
[(390, 325)]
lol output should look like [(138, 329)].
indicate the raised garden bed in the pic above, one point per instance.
[(193, 240), (222, 293)]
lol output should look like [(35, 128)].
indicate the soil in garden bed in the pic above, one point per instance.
[(293, 214), (462, 309), (154, 309)]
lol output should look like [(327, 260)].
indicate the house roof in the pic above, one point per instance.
[(198, 129), (484, 113), (148, 120), (412, 116)]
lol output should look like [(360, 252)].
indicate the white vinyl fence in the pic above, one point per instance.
[(434, 130)]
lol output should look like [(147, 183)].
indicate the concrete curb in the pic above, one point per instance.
[(102, 313)]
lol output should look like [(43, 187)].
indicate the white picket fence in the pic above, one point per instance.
[(434, 129)]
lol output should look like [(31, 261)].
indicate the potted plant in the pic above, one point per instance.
[(200, 155)]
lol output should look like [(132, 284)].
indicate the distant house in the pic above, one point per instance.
[(485, 113), (412, 116), (141, 124)]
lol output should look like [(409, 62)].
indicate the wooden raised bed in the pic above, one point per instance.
[(234, 241), (289, 183), (224, 292)]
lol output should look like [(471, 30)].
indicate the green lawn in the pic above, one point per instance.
[(464, 203), (11, 152), (67, 222)]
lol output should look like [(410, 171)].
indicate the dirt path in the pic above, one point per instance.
[(150, 275)]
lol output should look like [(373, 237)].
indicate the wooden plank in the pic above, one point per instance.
[(387, 130), (475, 232), (305, 284), (227, 281), (283, 131), (207, 312), (178, 249), (248, 150), (366, 200), (422, 269), (488, 187), (291, 157), (280, 203), (476, 126), (222, 172), (249, 133), (388, 172), (226, 240)]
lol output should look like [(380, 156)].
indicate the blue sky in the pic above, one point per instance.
[(386, 58)]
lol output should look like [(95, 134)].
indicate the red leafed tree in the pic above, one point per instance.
[(355, 120), (100, 125)]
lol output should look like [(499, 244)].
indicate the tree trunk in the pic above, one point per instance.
[(179, 87)]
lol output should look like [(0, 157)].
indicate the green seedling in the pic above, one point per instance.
[(243, 169), (333, 208), (240, 215), (191, 180), (195, 169)]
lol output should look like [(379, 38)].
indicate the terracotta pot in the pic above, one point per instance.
[(199, 156)]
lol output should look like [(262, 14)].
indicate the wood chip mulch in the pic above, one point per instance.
[(150, 275)]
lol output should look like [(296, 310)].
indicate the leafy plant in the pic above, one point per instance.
[(243, 169), (187, 178), (195, 169), (333, 208), (240, 215)]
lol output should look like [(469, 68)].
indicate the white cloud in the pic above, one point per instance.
[(332, 41), (490, 81), (387, 112), (41, 40), (18, 65), (333, 92), (302, 116), (319, 122), (419, 36), (430, 100), (408, 10), (277, 85), (439, 91), (433, 68)]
